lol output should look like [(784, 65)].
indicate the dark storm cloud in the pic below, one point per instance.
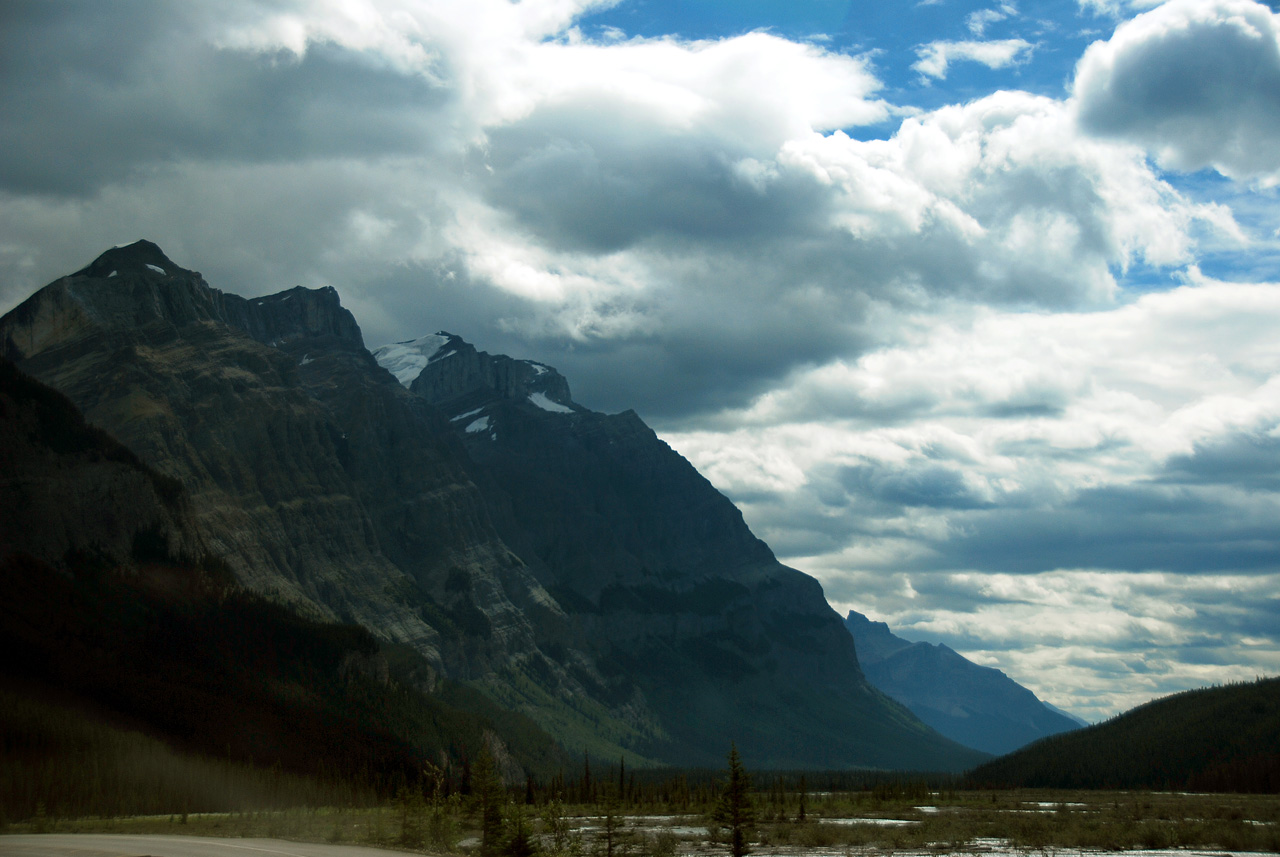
[(931, 485), (601, 176), (1249, 460), (93, 92), (1133, 527)]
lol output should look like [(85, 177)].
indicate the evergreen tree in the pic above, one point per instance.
[(612, 825), (488, 795), (734, 811), (519, 841)]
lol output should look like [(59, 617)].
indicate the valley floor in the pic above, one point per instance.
[(1065, 824)]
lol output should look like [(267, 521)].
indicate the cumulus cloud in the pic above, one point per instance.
[(1196, 82), (936, 57)]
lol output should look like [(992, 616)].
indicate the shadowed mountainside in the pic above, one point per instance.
[(678, 602), (111, 615)]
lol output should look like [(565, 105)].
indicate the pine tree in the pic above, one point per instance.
[(489, 796), (519, 841), (734, 811)]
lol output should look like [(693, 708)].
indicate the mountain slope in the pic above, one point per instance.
[(1214, 739), (567, 563), (977, 706), (111, 615), (688, 614), (311, 472)]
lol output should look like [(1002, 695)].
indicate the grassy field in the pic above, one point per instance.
[(834, 824)]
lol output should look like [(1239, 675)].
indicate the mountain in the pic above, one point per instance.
[(568, 564), (133, 660), (687, 613), (977, 706), (1213, 739), (1079, 721)]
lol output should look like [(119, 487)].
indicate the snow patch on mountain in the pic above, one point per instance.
[(470, 413), (541, 400), (406, 360), (478, 426)]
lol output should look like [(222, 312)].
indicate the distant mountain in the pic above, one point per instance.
[(1079, 721), (977, 706), (1214, 739), (567, 564)]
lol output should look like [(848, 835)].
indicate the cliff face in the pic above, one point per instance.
[(690, 616), (978, 706)]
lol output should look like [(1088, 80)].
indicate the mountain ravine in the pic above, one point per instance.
[(567, 563)]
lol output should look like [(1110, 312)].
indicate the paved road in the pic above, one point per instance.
[(104, 845)]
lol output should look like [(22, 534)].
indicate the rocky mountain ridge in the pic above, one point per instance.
[(567, 563)]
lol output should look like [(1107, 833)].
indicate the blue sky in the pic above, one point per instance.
[(971, 307)]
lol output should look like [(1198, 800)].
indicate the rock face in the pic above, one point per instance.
[(693, 622), (568, 563), (977, 706), (69, 492), (311, 472)]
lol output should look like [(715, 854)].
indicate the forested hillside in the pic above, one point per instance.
[(1214, 739)]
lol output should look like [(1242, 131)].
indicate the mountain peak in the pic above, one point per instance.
[(138, 257), (443, 367), (407, 359)]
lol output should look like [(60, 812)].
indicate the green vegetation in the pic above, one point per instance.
[(1214, 739)]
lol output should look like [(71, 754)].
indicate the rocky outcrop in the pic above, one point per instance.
[(977, 706)]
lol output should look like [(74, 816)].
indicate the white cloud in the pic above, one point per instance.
[(978, 21), (1196, 81), (936, 57)]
